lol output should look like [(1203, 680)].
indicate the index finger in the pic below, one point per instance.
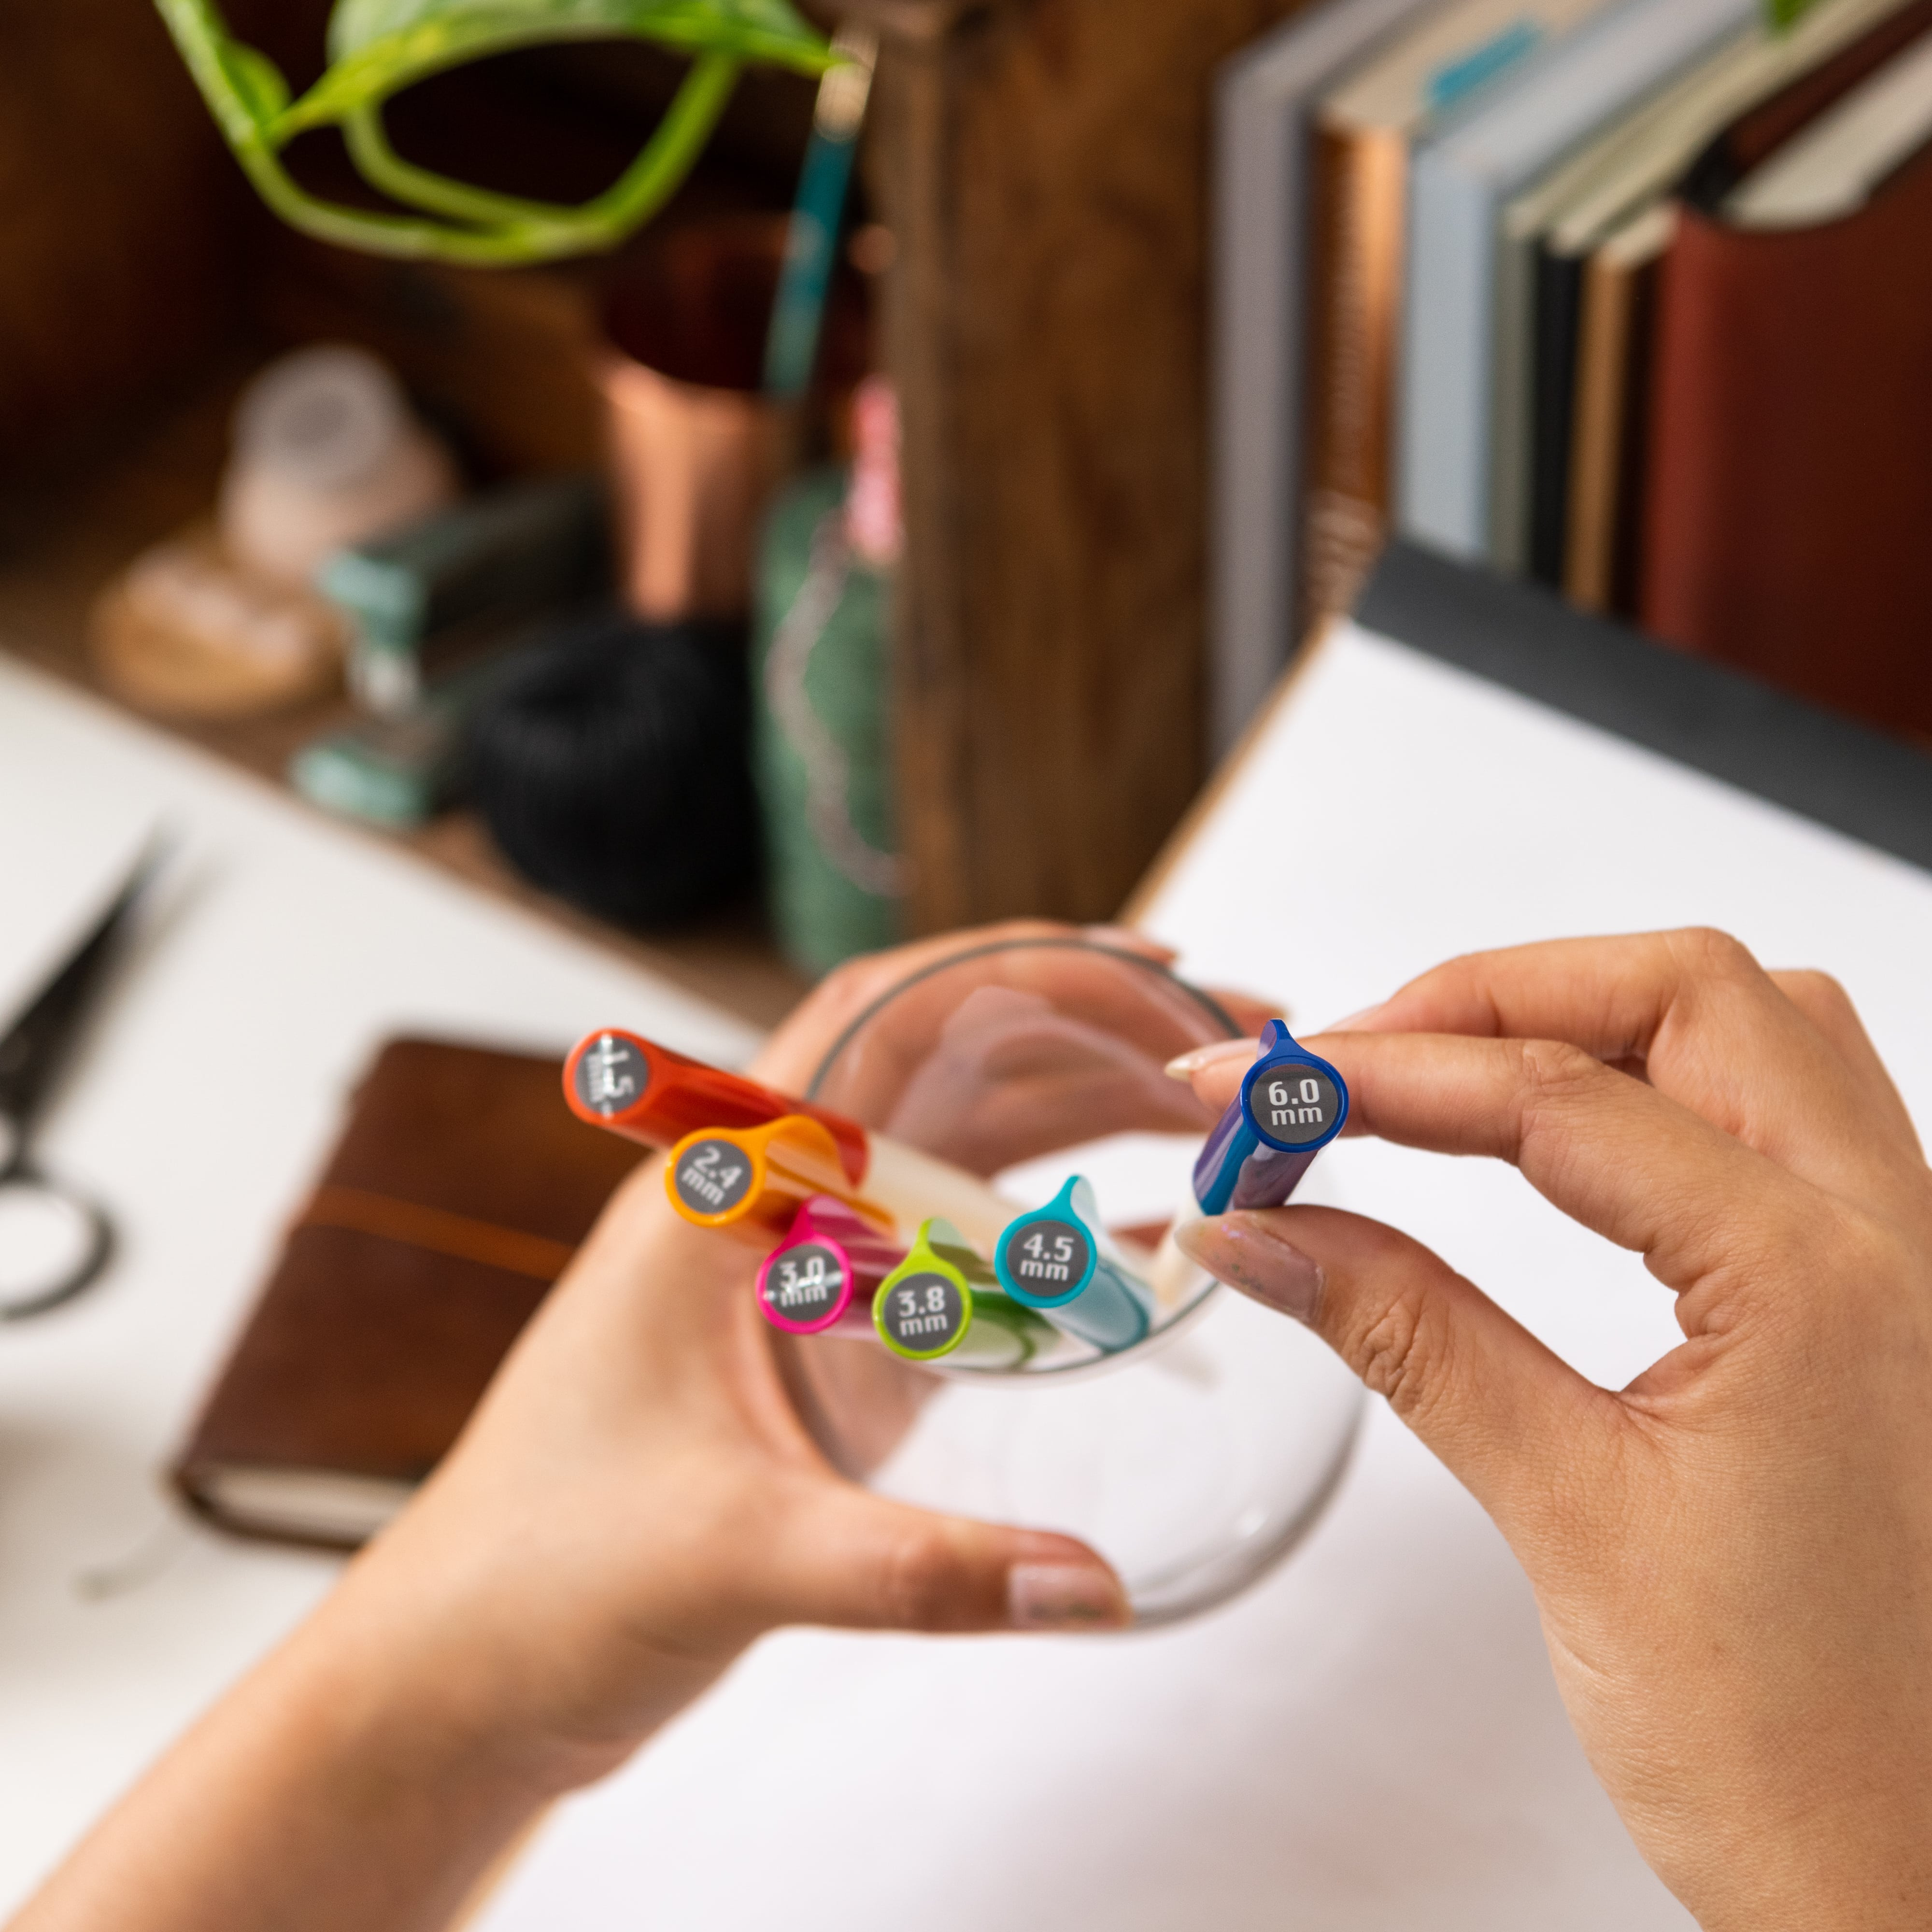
[(1705, 1212), (1708, 1025)]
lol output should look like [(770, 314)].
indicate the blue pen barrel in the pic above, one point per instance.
[(1292, 1103), (1237, 1169)]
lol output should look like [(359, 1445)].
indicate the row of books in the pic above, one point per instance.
[(1631, 297)]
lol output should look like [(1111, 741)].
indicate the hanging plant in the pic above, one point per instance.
[(378, 48)]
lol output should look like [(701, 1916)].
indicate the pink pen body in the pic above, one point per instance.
[(822, 1276)]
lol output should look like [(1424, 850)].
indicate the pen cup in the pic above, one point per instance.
[(1193, 1445)]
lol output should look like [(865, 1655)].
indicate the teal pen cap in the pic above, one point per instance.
[(1057, 1259)]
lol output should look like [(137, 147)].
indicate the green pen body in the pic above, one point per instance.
[(944, 1303)]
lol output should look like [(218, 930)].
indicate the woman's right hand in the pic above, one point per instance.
[(1732, 1556)]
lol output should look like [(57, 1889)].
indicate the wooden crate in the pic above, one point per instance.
[(1043, 164)]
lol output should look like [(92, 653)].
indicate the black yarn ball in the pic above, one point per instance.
[(610, 762)]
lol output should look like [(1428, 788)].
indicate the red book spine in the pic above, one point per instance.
[(1788, 513)]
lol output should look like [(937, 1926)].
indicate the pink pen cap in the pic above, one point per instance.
[(825, 1273)]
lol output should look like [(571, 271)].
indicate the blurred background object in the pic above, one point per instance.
[(696, 447), (823, 734), (225, 623), (1628, 300), (609, 762), (326, 454), (1029, 182)]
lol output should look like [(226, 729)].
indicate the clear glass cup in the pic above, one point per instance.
[(1194, 1460)]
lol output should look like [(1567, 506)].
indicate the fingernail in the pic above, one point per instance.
[(1064, 1596), (1240, 1250), (1356, 1022), (1184, 1066), (1127, 937)]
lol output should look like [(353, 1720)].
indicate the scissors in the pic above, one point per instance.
[(53, 1242)]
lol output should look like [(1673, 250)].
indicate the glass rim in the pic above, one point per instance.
[(1071, 942)]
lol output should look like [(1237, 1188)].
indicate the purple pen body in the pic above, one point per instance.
[(822, 1276), (1264, 1177), (1292, 1103)]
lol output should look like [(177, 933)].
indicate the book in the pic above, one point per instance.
[(1789, 475), (1527, 301), (1601, 550), (1365, 127), (1264, 99), (460, 1187), (1756, 135), (1611, 388), (1459, 183), (1829, 169), (1549, 230)]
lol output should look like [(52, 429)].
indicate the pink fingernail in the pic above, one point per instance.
[(1185, 1066), (1064, 1596), (1241, 1250)]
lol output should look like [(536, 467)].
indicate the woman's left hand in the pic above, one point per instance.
[(633, 1503)]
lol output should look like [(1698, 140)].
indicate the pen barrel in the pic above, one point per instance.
[(1217, 1168), (751, 1181), (1291, 1104), (1268, 1177), (943, 1302), (1113, 1312), (916, 1187), (632, 1086), (1058, 1260), (1002, 1336), (822, 1278)]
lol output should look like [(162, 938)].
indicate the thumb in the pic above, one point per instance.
[(860, 1562), (1491, 1402)]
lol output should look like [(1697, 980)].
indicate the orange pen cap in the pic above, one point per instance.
[(755, 1178)]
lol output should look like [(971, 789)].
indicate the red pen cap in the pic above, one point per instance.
[(647, 1093)]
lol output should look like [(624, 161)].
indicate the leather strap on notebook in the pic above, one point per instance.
[(358, 1211)]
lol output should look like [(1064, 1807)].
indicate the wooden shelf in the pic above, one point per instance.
[(60, 543)]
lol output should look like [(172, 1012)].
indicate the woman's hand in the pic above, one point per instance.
[(633, 1504), (1732, 1556)]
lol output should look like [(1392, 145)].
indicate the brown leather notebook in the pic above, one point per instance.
[(1789, 493), (456, 1196)]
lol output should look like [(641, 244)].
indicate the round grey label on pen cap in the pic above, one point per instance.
[(923, 1313), (804, 1283), (712, 1176), (611, 1074), (1293, 1105), (1047, 1258)]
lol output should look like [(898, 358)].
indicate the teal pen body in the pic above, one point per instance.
[(1056, 1260)]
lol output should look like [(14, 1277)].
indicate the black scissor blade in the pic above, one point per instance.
[(31, 1054)]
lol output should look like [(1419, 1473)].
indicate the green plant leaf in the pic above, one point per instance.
[(379, 47), (244, 89), (257, 82)]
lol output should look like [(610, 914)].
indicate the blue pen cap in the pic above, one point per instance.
[(1292, 1103), (1293, 1098)]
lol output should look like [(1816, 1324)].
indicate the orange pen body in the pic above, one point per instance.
[(647, 1093), (751, 1181)]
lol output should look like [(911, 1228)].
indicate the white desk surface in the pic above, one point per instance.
[(1369, 1739), (204, 1099)]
